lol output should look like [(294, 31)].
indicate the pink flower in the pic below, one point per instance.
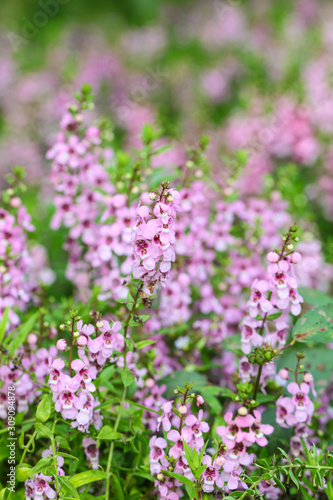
[(165, 418), (232, 433), (304, 407), (157, 446), (257, 430), (91, 451), (193, 429), (258, 301), (284, 412), (211, 475)]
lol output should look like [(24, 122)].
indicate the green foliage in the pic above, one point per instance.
[(316, 325)]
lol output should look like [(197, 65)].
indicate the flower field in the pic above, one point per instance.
[(166, 250)]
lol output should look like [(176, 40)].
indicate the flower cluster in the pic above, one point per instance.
[(15, 287), (154, 238)]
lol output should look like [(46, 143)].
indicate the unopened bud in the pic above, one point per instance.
[(219, 461), (242, 411), (160, 477), (82, 341), (296, 257), (32, 339), (15, 202), (150, 382), (99, 324), (62, 326), (62, 345), (307, 377), (199, 400), (284, 373), (272, 257), (76, 334), (169, 198), (152, 196), (189, 164), (182, 409), (290, 247), (176, 391)]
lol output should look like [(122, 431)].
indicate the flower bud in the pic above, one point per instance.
[(307, 377), (189, 164), (290, 247), (76, 334), (152, 196), (160, 477), (15, 202), (242, 411), (199, 400), (182, 409), (62, 345), (272, 257), (62, 326), (176, 391), (82, 341), (100, 324), (219, 461), (150, 382), (32, 339), (284, 373), (296, 257), (169, 198)]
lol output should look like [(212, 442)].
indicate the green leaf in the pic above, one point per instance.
[(315, 297), (145, 343), (117, 486), (41, 465), (86, 477), (279, 483), (43, 431), (199, 471), (191, 491), (179, 377), (305, 494), (68, 486), (43, 411), (191, 455), (108, 434), (142, 407), (127, 377), (3, 323), (294, 479), (274, 316), (67, 455), (22, 472), (180, 478), (316, 325), (284, 454), (22, 334)]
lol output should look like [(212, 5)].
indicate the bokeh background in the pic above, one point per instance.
[(254, 76)]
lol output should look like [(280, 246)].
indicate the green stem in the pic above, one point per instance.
[(55, 464), (127, 322), (256, 387), (23, 456), (109, 463), (128, 480)]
